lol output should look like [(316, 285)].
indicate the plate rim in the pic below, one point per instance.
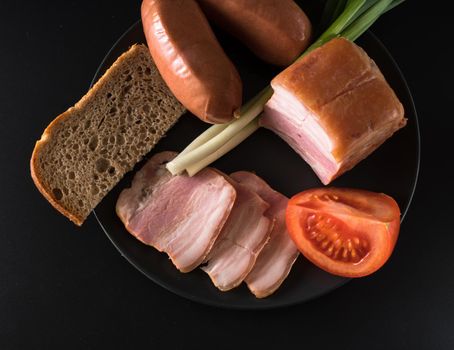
[(279, 304)]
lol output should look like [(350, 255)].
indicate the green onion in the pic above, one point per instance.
[(358, 27), (193, 156), (351, 9), (229, 145), (368, 4), (394, 4), (356, 16), (204, 137), (332, 10)]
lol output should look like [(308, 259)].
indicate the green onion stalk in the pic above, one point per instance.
[(343, 18)]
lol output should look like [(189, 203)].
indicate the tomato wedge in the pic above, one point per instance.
[(346, 232)]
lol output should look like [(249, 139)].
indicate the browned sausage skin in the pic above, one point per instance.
[(277, 31), (190, 59)]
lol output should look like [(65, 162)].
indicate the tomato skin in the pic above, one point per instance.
[(346, 232)]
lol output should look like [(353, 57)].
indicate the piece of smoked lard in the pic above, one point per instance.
[(333, 107)]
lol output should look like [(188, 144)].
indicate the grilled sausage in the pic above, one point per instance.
[(190, 59), (277, 31)]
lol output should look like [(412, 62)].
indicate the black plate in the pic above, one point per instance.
[(392, 169)]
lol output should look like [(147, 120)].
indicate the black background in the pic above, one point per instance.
[(68, 287)]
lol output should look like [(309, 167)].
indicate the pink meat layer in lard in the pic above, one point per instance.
[(333, 107), (277, 257), (242, 238), (179, 215), (297, 126)]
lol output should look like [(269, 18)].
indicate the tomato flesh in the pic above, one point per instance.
[(331, 237), (346, 232)]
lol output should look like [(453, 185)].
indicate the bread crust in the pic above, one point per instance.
[(34, 170), (50, 132)]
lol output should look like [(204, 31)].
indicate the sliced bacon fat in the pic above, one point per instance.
[(179, 215), (242, 238), (277, 257)]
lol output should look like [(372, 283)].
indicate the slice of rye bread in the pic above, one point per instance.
[(85, 151)]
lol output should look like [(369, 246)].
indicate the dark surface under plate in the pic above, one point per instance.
[(67, 287), (392, 169)]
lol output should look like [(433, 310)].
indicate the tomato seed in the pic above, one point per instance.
[(330, 250), (311, 220), (344, 253)]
